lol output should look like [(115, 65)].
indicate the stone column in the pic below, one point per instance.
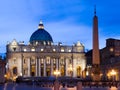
[(66, 67), (44, 67), (36, 66), (28, 66), (74, 69), (22, 64), (39, 66), (51, 59), (57, 64)]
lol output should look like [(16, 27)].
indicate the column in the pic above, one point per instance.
[(66, 67), (29, 67), (35, 66), (39, 66), (51, 59), (44, 67), (57, 64), (74, 68), (21, 71)]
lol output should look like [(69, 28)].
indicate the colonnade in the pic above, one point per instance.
[(44, 66)]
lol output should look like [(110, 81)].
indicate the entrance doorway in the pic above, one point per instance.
[(79, 71), (33, 70)]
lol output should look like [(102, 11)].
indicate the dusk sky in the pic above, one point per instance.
[(67, 21)]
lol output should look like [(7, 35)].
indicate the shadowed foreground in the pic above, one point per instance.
[(12, 86)]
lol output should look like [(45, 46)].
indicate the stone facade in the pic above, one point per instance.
[(110, 58), (36, 59), (2, 70)]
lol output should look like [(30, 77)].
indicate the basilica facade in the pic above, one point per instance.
[(41, 57)]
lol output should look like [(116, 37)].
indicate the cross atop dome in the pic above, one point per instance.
[(41, 22), (41, 26)]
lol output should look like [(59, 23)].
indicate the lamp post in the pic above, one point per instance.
[(56, 73), (113, 74)]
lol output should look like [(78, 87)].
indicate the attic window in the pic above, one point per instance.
[(54, 50), (14, 49), (25, 50), (62, 50), (32, 49), (42, 49), (69, 50)]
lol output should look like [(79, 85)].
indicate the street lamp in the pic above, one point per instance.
[(56, 73), (113, 73)]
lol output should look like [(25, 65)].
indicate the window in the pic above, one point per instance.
[(54, 61), (14, 49), (54, 50), (36, 43), (48, 61), (25, 50), (62, 61), (32, 61), (41, 61), (14, 61), (25, 71), (48, 43), (33, 49), (69, 50), (15, 70), (42, 49), (62, 49)]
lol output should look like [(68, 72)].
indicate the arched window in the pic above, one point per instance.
[(15, 70)]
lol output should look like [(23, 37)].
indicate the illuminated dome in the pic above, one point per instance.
[(41, 36)]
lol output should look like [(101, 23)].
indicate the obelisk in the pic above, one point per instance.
[(95, 53)]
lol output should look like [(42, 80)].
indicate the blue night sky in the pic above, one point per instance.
[(67, 21)]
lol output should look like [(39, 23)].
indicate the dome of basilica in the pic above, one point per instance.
[(41, 35)]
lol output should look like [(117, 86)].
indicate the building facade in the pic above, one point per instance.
[(41, 57), (110, 59), (2, 70)]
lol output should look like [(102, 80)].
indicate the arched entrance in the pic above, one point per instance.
[(79, 71), (62, 71), (33, 70), (14, 73)]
